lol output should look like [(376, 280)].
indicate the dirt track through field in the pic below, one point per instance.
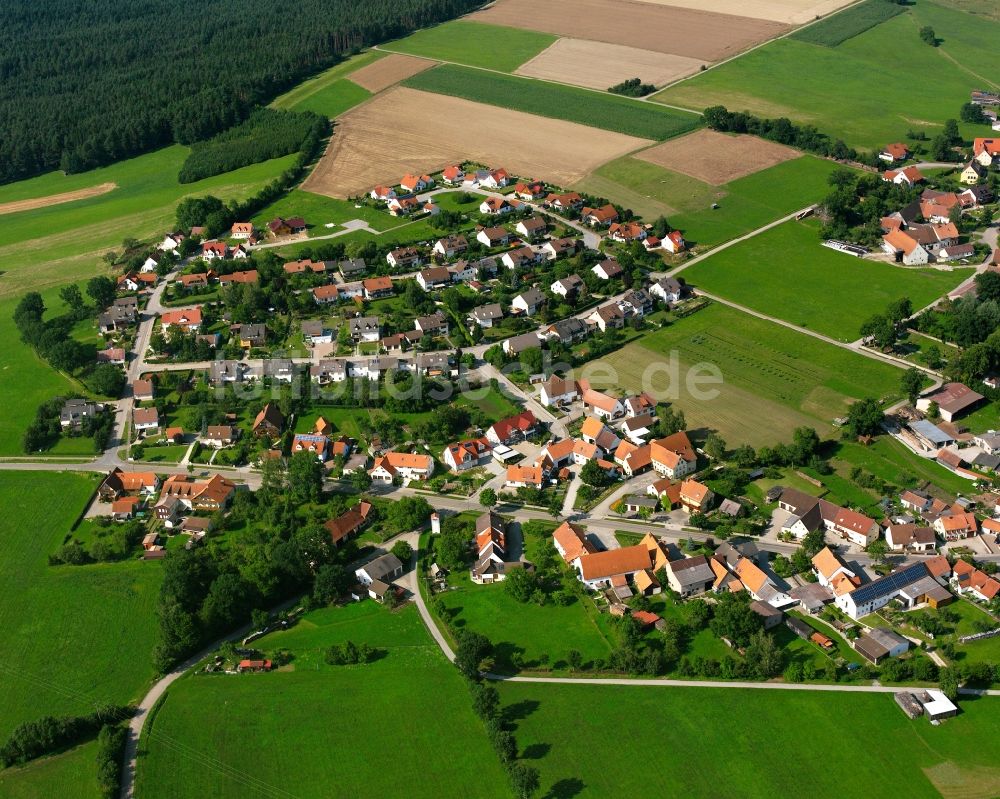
[(686, 32), (389, 71), (55, 199), (716, 158), (404, 130), (598, 65), (791, 12)]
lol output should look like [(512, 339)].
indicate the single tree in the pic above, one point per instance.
[(912, 381), (487, 497)]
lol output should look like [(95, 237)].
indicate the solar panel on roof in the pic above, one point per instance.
[(886, 585)]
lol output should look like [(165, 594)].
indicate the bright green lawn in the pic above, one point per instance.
[(785, 272), (744, 204), (892, 461), (52, 246), (68, 775), (607, 111), (985, 417), (302, 97), (319, 731), (475, 44), (334, 98), (171, 453), (492, 403), (831, 87), (709, 743), (72, 635), (774, 379), (318, 211)]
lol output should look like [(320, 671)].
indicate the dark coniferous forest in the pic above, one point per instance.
[(85, 83)]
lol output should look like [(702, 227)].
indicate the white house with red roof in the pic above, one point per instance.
[(513, 428), (468, 454)]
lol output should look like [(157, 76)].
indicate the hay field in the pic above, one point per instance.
[(686, 32), (403, 130), (717, 158), (598, 65), (790, 12), (56, 199), (389, 71)]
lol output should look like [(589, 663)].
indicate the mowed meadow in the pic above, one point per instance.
[(711, 744), (73, 636), (869, 89), (773, 378), (743, 204), (786, 273), (313, 730), (58, 244)]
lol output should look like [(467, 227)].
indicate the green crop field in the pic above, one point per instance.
[(61, 243), (849, 23), (68, 775), (475, 44), (334, 98), (744, 204), (302, 97), (773, 378), (314, 730), (72, 635), (831, 87), (606, 111), (709, 743), (785, 272)]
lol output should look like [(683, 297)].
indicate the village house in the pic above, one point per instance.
[(570, 542), (895, 152), (513, 429), (211, 494), (493, 237), (905, 248), (467, 454), (528, 302), (599, 217), (695, 497), (673, 456), (145, 421), (75, 411), (219, 435), (403, 257), (634, 459), (607, 317), (453, 175), (434, 277), (212, 250), (365, 328), (495, 206), (690, 576), (956, 526), (564, 202), (403, 465), (378, 287), (382, 193), (626, 232), (487, 315), (269, 422), (910, 538), (312, 443), (910, 584), (434, 325), (451, 246), (377, 575), (518, 344), (415, 183), (558, 248), (908, 176), (600, 404), (524, 477), (952, 399), (612, 568), (119, 483), (521, 258), (186, 319), (248, 276), (558, 391), (880, 643), (531, 228), (986, 150), (349, 523), (250, 335), (667, 289), (972, 582), (568, 286), (607, 269), (535, 190), (566, 331)]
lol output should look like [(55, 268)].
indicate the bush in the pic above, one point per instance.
[(49, 734), (110, 756)]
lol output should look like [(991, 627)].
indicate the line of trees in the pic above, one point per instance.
[(81, 87), (266, 133), (47, 735)]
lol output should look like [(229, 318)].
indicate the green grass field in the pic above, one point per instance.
[(786, 273), (711, 743), (831, 87), (744, 204), (892, 461), (68, 775), (774, 379), (474, 44), (334, 98), (61, 243), (838, 28), (312, 94), (554, 100), (318, 731), (72, 635), (318, 211)]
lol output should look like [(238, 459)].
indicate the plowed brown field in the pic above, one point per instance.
[(792, 12), (598, 65), (404, 130), (55, 199), (717, 158), (705, 35), (389, 71)]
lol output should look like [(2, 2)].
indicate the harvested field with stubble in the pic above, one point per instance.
[(404, 130), (699, 34), (389, 71), (717, 158), (56, 199), (574, 61), (791, 12)]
